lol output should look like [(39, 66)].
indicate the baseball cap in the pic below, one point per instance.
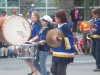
[(47, 18)]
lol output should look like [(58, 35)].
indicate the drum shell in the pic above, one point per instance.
[(25, 51), (2, 36)]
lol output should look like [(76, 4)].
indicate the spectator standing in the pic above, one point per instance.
[(75, 17), (31, 9)]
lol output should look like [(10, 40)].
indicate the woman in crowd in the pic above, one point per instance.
[(62, 55)]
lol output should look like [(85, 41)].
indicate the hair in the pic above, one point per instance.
[(96, 11), (37, 15), (50, 26), (62, 15)]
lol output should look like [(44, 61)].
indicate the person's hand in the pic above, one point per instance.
[(54, 38), (41, 42), (30, 40), (59, 38), (93, 30)]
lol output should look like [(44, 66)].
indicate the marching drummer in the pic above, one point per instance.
[(36, 26), (64, 54)]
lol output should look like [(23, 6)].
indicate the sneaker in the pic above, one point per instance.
[(30, 73), (97, 70)]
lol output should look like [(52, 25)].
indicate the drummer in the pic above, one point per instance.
[(64, 54), (42, 46), (36, 26)]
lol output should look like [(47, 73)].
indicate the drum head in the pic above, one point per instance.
[(16, 30)]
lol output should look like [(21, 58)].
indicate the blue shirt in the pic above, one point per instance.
[(61, 51), (31, 10), (42, 36), (97, 26), (35, 29)]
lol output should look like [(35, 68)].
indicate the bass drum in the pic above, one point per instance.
[(15, 30)]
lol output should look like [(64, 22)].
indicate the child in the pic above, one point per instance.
[(77, 45)]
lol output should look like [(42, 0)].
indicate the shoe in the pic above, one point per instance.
[(30, 73), (97, 70)]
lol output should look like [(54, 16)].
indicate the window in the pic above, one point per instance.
[(2, 3), (13, 3), (9, 11), (41, 6)]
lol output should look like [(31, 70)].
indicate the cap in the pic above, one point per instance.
[(47, 18)]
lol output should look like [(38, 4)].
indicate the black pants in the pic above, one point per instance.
[(75, 25), (96, 51), (58, 69)]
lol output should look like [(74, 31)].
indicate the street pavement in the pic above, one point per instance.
[(83, 65)]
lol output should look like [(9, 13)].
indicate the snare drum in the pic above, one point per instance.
[(15, 30), (25, 51)]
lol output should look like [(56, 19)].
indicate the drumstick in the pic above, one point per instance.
[(21, 34), (24, 25)]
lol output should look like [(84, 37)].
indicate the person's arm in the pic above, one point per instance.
[(34, 39)]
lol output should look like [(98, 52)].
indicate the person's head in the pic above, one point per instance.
[(3, 13), (96, 13), (27, 15), (46, 21), (14, 11), (61, 16), (32, 5), (75, 7), (35, 17)]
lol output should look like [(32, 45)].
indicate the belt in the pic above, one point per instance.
[(95, 36)]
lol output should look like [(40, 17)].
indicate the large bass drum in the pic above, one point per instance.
[(15, 30)]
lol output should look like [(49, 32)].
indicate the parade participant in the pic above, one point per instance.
[(96, 38), (42, 46), (64, 54), (85, 29), (36, 26)]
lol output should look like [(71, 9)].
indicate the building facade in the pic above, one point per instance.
[(9, 5), (42, 6)]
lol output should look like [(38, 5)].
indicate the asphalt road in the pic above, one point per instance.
[(83, 65)]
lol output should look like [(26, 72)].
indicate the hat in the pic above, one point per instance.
[(47, 18)]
